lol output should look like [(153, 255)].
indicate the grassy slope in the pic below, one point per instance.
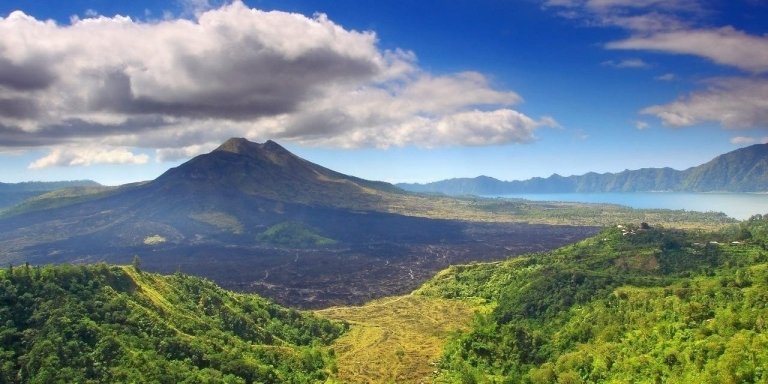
[(60, 198), (397, 340)]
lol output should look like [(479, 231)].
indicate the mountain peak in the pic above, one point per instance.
[(269, 171), (237, 145), (242, 146)]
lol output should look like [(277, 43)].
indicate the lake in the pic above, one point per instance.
[(737, 205)]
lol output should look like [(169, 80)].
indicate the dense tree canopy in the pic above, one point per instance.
[(632, 304), (116, 324)]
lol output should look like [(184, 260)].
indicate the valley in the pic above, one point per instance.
[(384, 285), (254, 217), (355, 272)]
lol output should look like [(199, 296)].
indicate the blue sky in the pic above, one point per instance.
[(388, 90)]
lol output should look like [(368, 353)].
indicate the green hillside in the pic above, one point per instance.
[(14, 193), (295, 235), (107, 324), (628, 305)]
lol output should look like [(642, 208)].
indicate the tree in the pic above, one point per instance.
[(136, 263)]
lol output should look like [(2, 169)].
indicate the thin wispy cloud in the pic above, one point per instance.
[(626, 63), (666, 77), (734, 103), (677, 27), (724, 46)]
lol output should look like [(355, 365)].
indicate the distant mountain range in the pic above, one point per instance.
[(742, 170), (14, 193)]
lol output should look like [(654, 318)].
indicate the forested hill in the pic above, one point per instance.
[(632, 304), (107, 324), (742, 170)]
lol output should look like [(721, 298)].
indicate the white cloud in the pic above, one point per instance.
[(674, 27), (732, 102), (471, 128), (666, 77), (633, 15), (85, 156), (743, 140), (173, 154), (725, 46), (641, 125), (670, 26), (179, 85), (626, 63), (746, 140)]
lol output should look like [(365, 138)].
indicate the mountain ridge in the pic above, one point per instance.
[(268, 170), (255, 217), (14, 193), (741, 170)]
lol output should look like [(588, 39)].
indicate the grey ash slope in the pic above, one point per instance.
[(270, 171), (742, 170)]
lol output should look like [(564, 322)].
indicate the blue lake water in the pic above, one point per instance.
[(737, 205)]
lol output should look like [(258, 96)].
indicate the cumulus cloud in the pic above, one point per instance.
[(181, 86), (85, 156), (470, 128), (732, 102), (641, 125)]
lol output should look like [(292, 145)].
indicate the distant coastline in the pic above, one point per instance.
[(738, 205)]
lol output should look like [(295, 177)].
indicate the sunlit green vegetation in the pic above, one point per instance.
[(97, 324), (397, 340), (632, 304), (294, 235), (59, 198), (154, 240)]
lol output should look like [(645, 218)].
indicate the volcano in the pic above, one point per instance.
[(256, 217)]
